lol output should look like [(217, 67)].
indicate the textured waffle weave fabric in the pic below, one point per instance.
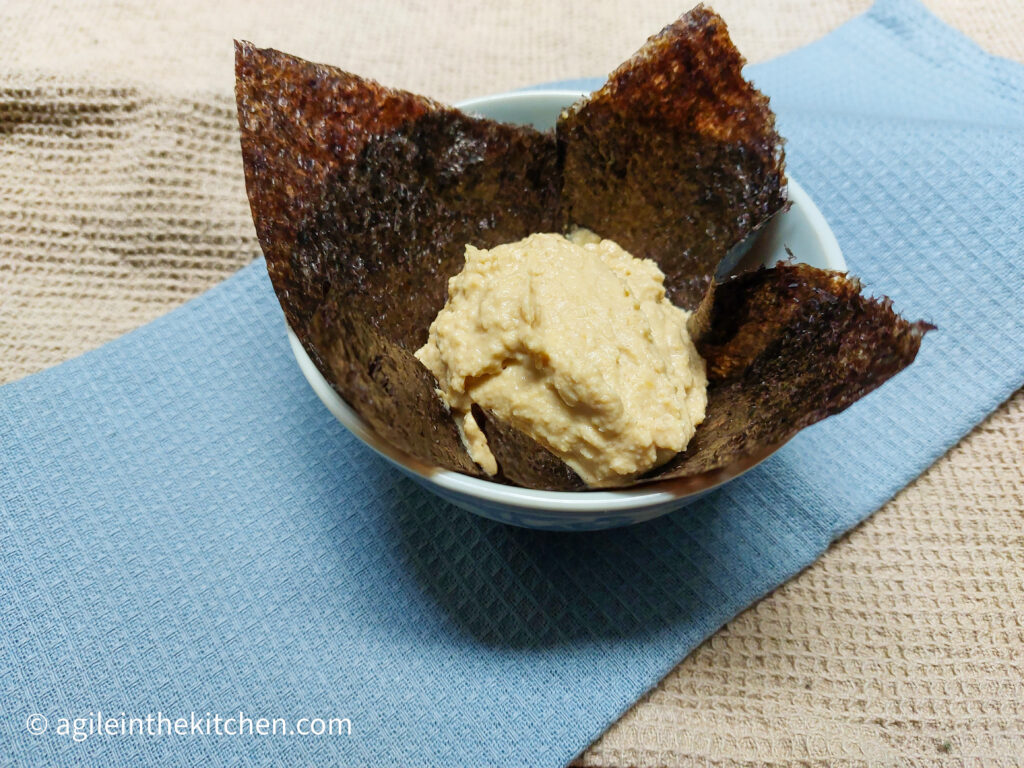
[(120, 199)]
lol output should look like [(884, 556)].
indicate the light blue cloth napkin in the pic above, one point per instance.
[(185, 529)]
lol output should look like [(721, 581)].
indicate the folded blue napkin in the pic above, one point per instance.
[(185, 532)]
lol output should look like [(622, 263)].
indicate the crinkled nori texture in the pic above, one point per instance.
[(786, 347), (364, 199), (676, 157), (299, 122)]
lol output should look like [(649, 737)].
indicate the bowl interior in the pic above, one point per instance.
[(802, 229)]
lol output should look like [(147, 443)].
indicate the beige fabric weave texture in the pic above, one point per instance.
[(121, 196)]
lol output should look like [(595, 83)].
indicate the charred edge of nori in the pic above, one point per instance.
[(676, 157)]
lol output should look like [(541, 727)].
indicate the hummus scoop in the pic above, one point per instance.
[(571, 340), (365, 197)]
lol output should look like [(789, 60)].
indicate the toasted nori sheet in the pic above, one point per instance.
[(300, 122), (523, 461), (676, 157), (786, 347), (387, 386), (364, 199)]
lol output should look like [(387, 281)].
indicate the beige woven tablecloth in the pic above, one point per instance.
[(121, 196)]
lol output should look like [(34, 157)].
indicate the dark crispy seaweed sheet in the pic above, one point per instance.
[(523, 461), (676, 157), (786, 347), (364, 198)]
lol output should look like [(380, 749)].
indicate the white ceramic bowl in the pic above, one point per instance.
[(802, 228)]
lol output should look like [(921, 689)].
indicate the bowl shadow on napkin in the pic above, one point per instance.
[(518, 588), (408, 563)]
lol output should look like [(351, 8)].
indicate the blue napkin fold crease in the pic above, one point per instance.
[(185, 530)]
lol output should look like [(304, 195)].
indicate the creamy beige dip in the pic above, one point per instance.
[(572, 341)]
